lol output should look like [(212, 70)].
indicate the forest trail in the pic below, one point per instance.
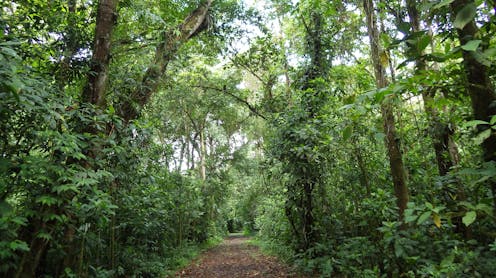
[(233, 258)]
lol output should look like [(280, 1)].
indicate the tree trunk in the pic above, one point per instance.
[(308, 220), (94, 92), (202, 153), (364, 179), (392, 141), (30, 261), (479, 86)]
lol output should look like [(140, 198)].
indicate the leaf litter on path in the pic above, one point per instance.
[(235, 258)]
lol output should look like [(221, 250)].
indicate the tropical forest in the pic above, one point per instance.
[(247, 138)]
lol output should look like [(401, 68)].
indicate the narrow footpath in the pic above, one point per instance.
[(235, 258)]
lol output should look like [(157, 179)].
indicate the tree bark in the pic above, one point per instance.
[(479, 87), (94, 92), (392, 140)]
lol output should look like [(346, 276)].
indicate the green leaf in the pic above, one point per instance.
[(347, 132), (481, 57), (111, 110), (471, 45), (399, 251), (485, 208), (423, 42), (474, 123), (379, 136), (481, 137), (65, 188), (44, 235), (465, 15), (447, 261), (9, 52), (404, 27), (5, 208), (424, 217), (47, 200), (18, 245), (429, 205), (469, 218), (493, 120), (442, 4), (409, 216), (21, 221)]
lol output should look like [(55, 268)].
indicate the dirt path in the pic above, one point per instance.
[(235, 258)]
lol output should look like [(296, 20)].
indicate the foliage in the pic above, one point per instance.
[(268, 122)]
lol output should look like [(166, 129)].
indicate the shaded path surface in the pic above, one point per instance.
[(235, 258)]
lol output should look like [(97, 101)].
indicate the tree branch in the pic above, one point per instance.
[(225, 91)]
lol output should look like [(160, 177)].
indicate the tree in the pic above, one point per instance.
[(94, 92), (392, 139), (478, 81)]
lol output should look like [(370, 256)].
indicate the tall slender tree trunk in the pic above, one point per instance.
[(392, 140), (364, 179), (479, 86), (203, 154)]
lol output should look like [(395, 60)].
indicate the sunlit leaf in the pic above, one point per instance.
[(493, 120), (469, 218), (471, 45), (481, 137), (423, 42), (442, 4), (437, 220), (429, 205)]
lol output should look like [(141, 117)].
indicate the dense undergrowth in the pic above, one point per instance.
[(131, 217)]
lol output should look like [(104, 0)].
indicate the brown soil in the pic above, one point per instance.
[(236, 258)]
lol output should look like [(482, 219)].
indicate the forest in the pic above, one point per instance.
[(351, 138)]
